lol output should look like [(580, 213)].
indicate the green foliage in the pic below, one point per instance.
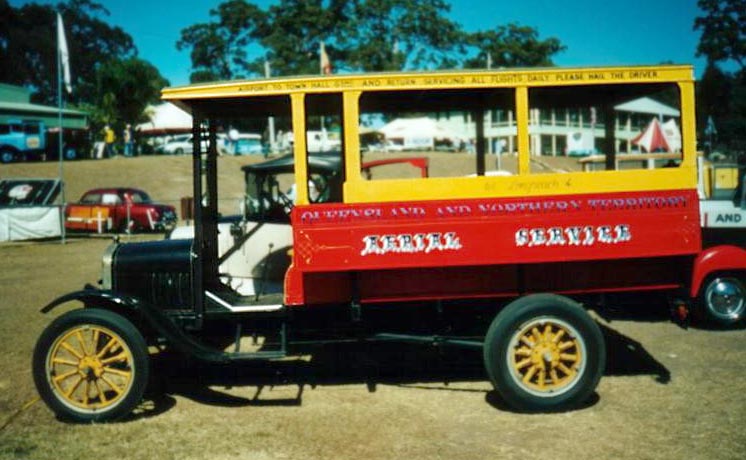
[(360, 35), (126, 87), (512, 45), (394, 35), (723, 31), (722, 95), (109, 81)]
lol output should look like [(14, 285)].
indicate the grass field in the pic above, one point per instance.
[(667, 393)]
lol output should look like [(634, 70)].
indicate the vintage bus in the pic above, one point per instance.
[(501, 248)]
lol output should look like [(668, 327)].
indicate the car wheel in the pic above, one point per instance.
[(91, 365), (70, 153), (544, 353), (723, 300), (6, 156), (179, 151)]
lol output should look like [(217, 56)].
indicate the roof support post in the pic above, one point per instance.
[(298, 104), (609, 137)]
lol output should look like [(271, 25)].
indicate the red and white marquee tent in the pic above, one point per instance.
[(657, 137)]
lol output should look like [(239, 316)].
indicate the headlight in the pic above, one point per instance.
[(106, 264)]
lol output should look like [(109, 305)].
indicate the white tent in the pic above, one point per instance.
[(417, 133), (166, 118), (672, 133), (648, 105)]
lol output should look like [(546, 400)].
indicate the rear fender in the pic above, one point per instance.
[(716, 259)]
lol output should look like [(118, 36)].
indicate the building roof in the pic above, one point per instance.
[(15, 105), (649, 106)]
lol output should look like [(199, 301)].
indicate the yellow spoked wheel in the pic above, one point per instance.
[(547, 356), (91, 365), (544, 353)]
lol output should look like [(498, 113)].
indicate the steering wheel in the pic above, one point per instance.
[(285, 201), (321, 184)]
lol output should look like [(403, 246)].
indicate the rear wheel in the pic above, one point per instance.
[(723, 300), (70, 153), (544, 353), (91, 365)]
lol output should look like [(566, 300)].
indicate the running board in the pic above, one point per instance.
[(244, 304)]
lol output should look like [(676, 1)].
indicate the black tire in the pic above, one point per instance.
[(179, 151), (91, 365), (722, 300), (558, 366), (6, 156), (70, 153)]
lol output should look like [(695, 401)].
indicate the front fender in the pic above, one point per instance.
[(90, 295), (134, 309), (716, 259)]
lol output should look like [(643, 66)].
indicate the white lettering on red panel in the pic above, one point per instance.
[(587, 235), (408, 243)]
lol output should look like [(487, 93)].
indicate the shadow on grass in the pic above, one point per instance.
[(411, 366)]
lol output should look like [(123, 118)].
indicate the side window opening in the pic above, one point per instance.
[(442, 126), (324, 147), (604, 127), (91, 198), (110, 198)]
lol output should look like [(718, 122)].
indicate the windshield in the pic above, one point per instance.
[(271, 196)]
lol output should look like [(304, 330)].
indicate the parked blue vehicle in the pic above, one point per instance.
[(21, 138)]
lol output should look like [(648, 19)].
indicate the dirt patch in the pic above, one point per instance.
[(667, 392)]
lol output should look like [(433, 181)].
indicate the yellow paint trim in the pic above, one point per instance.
[(522, 122), (423, 80), (572, 183), (298, 105), (351, 108), (521, 80), (688, 124)]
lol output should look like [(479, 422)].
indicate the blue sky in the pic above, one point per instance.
[(594, 32)]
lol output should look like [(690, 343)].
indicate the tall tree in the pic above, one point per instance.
[(720, 94), (723, 31), (125, 89), (109, 81), (360, 35), (512, 45), (399, 34), (30, 43), (218, 48)]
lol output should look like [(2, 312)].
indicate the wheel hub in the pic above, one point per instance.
[(726, 299), (91, 367), (548, 357)]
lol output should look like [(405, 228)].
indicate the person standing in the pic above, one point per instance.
[(128, 141), (109, 138)]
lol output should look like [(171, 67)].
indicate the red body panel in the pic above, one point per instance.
[(473, 248)]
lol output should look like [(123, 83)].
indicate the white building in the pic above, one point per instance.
[(549, 129)]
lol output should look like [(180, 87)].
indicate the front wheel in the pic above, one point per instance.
[(91, 365), (544, 353), (722, 300), (6, 156)]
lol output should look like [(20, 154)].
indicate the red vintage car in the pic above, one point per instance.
[(119, 210)]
